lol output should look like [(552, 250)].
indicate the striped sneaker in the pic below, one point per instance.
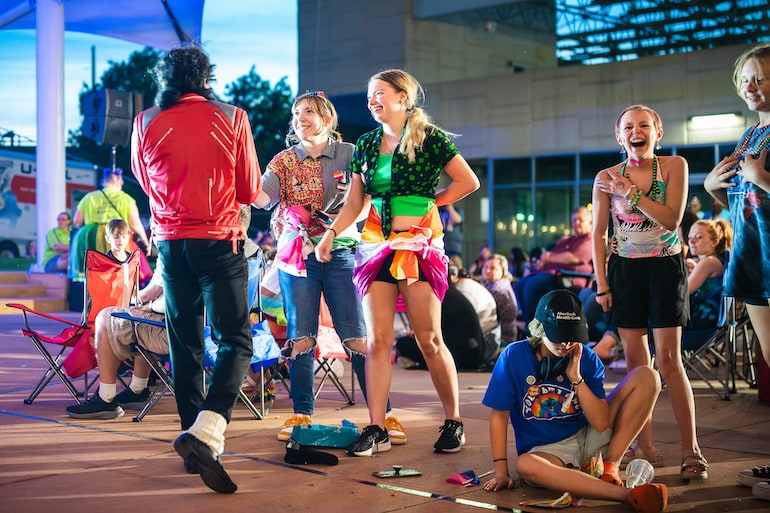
[(395, 431)]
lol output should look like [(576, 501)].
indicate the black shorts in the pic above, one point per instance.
[(384, 273), (755, 301), (649, 292)]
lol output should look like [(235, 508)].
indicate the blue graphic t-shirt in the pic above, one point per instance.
[(539, 411)]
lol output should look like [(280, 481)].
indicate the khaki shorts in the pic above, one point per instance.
[(120, 333), (579, 448)]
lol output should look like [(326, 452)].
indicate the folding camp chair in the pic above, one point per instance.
[(328, 349), (713, 357), (158, 361), (107, 283)]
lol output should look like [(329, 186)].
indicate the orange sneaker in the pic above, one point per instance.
[(649, 498), (395, 431)]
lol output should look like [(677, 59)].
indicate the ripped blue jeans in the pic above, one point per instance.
[(301, 304)]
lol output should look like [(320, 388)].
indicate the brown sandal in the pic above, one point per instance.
[(635, 452), (694, 466)]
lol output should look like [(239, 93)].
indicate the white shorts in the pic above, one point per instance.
[(578, 449)]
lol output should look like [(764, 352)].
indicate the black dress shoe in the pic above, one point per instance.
[(190, 467), (209, 466)]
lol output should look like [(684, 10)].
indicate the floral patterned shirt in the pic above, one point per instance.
[(294, 178)]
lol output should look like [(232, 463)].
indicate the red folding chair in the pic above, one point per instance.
[(107, 283), (328, 349)]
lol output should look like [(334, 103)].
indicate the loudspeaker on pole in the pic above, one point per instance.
[(108, 115), (108, 130)]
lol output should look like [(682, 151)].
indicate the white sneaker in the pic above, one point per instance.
[(752, 476), (761, 490), (298, 419), (395, 431)]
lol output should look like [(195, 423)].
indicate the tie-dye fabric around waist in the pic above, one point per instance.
[(419, 249)]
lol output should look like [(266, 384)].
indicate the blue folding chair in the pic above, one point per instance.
[(160, 363)]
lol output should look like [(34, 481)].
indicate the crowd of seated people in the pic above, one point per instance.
[(469, 325), (709, 241), (571, 252), (484, 254), (518, 262), (498, 281)]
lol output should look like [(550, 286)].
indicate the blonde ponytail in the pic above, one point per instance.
[(418, 122)]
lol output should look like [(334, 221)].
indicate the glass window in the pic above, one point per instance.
[(585, 191), (536, 215), (552, 214), (726, 149), (592, 163), (555, 169), (700, 159), (513, 219), (507, 171)]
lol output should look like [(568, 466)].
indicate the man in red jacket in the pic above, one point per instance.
[(195, 158)]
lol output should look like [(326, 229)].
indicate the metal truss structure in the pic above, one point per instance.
[(600, 31)]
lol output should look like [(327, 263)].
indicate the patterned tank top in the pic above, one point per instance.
[(634, 234)]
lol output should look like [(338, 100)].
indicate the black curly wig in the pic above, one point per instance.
[(183, 71)]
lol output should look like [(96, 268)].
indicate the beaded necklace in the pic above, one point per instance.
[(751, 138), (654, 189)]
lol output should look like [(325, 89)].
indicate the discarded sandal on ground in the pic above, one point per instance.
[(649, 498), (635, 452), (694, 466)]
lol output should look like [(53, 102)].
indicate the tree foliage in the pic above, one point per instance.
[(269, 110), (132, 75)]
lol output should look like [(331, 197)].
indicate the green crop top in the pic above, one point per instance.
[(404, 179), (400, 205)]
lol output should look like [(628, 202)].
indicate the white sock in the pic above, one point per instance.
[(108, 391), (209, 428), (138, 384)]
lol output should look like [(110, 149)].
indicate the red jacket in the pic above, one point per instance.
[(197, 163)]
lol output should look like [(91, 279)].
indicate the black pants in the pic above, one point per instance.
[(200, 273)]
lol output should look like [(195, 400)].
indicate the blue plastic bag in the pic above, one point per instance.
[(326, 436), (266, 350)]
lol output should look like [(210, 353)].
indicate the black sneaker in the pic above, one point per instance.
[(131, 400), (373, 439), (190, 467), (96, 408), (452, 437)]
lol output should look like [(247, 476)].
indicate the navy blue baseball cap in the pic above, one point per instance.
[(561, 314)]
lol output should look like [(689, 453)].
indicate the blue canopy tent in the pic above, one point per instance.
[(162, 24)]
